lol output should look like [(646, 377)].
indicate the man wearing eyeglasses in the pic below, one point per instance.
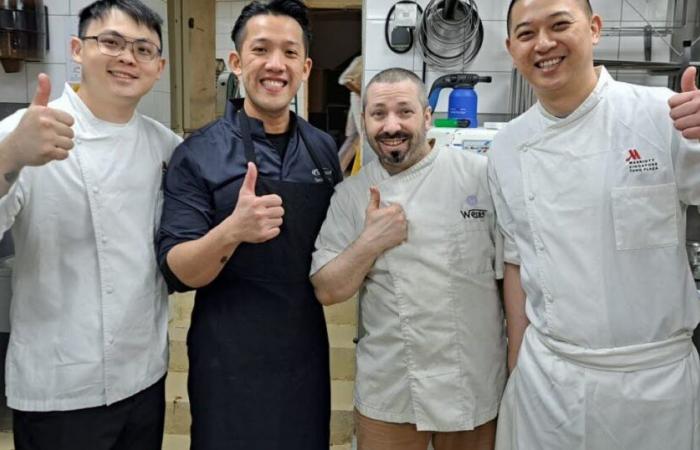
[(88, 346)]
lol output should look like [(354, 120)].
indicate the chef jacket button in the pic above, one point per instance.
[(95, 189), (78, 140), (548, 298), (531, 197), (540, 247), (104, 240), (525, 149), (109, 290)]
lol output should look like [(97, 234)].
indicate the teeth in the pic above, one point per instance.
[(273, 83), (549, 63), (122, 75), (393, 142)]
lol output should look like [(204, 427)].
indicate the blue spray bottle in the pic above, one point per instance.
[(463, 100)]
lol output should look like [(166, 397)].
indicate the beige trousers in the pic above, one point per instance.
[(377, 435)]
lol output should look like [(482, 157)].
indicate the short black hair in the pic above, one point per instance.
[(290, 8), (589, 10), (142, 15)]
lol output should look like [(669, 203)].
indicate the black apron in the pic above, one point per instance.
[(259, 375)]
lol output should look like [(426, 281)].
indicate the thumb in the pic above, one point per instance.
[(251, 176), (374, 198), (688, 80), (43, 90)]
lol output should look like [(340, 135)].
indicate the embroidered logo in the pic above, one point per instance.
[(473, 213), (470, 209), (317, 174), (638, 164), (633, 155)]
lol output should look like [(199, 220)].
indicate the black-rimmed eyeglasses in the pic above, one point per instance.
[(113, 44)]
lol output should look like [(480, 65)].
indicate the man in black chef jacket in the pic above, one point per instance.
[(244, 199)]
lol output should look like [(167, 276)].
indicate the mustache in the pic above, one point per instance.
[(397, 135)]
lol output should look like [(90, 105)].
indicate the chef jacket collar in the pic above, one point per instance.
[(257, 128)]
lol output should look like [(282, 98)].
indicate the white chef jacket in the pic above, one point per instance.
[(432, 352), (89, 310), (593, 210)]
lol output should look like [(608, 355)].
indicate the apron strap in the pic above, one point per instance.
[(247, 137), (312, 152)]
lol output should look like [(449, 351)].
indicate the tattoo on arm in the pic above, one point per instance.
[(11, 177)]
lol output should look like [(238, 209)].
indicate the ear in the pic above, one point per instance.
[(428, 117), (234, 63), (596, 26), (161, 67), (76, 48), (508, 46), (307, 69)]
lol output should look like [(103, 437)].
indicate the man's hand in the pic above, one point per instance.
[(685, 107), (255, 219), (42, 135), (385, 227)]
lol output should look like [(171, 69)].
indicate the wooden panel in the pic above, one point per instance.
[(334, 4), (199, 62)]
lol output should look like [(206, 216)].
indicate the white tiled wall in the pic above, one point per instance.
[(495, 61), (19, 87)]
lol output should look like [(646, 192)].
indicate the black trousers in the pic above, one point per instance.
[(135, 423)]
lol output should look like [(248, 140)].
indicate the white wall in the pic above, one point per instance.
[(493, 58), (19, 87)]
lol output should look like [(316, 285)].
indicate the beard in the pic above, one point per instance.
[(399, 156)]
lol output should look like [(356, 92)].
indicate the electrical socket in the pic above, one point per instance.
[(405, 15)]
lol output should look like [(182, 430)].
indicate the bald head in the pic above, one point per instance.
[(397, 75), (585, 4)]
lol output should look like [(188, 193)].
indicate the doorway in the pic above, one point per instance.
[(337, 40)]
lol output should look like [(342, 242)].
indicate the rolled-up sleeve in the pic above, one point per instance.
[(187, 205), (503, 218)]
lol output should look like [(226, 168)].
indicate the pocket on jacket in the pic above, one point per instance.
[(645, 216)]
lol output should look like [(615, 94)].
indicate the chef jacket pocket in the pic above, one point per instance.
[(645, 216), (471, 249)]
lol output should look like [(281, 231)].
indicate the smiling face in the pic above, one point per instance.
[(272, 64), (396, 124), (551, 43), (112, 83)]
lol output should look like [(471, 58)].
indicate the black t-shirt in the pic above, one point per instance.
[(280, 141)]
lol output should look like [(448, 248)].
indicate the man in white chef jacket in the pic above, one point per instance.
[(414, 231), (591, 187), (80, 179)]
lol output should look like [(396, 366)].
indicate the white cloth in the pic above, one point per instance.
[(89, 310), (433, 350), (593, 210)]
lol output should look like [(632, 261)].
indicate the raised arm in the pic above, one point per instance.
[(198, 262), (385, 228), (42, 135)]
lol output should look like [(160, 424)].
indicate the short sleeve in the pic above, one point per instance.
[(339, 229), (187, 205), (686, 162), (504, 219)]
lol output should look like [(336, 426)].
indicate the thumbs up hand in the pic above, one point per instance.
[(255, 219), (685, 107), (43, 134), (385, 227)]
